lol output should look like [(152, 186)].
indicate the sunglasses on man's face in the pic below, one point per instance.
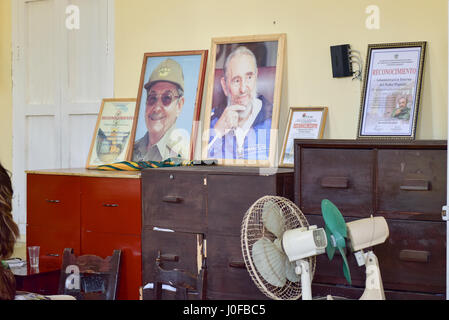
[(166, 98)]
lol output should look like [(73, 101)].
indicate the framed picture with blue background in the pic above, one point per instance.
[(169, 105)]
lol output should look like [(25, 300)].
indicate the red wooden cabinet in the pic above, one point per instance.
[(53, 215), (92, 212)]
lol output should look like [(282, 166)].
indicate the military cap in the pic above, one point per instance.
[(168, 70)]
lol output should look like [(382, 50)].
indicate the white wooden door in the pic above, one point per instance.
[(61, 71)]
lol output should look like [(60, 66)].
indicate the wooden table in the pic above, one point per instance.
[(43, 280)]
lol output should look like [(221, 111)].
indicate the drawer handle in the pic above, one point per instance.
[(169, 257), (237, 264), (172, 199), (110, 205), (335, 182), (53, 255), (415, 185), (414, 256), (52, 201)]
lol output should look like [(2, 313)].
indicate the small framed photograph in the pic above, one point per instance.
[(169, 105), (112, 135), (391, 90), (243, 100), (302, 123)]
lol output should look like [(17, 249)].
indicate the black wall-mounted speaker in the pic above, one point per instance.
[(341, 64)]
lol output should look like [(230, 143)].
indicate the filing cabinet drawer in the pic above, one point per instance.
[(52, 200), (344, 176), (104, 244), (111, 205), (412, 183), (320, 291), (227, 205), (178, 249), (414, 256), (174, 200), (228, 277)]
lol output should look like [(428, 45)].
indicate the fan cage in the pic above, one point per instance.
[(253, 229)]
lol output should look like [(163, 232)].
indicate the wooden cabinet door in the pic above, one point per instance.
[(103, 245), (111, 205), (230, 196), (53, 200)]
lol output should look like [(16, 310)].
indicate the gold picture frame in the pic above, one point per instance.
[(391, 91), (243, 135), (185, 71), (111, 141), (302, 123)]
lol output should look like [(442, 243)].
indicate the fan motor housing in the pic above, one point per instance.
[(302, 243)]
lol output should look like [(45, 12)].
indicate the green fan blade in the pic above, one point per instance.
[(346, 271), (333, 218), (330, 249), (335, 226)]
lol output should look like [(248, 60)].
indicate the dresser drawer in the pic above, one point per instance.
[(174, 200), (344, 176), (53, 200), (180, 250), (411, 183), (231, 196), (227, 275), (414, 256), (111, 205)]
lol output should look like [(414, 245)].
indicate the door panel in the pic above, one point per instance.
[(60, 76)]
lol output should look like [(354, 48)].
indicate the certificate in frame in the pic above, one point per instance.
[(112, 135), (391, 90), (302, 123)]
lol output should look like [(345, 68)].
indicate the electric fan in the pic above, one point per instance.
[(360, 234), (279, 248)]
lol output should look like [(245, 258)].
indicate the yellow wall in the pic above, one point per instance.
[(5, 85), (311, 28)]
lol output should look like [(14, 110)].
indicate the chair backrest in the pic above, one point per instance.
[(89, 277), (183, 281)]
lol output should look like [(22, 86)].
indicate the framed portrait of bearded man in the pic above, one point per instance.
[(169, 105), (243, 100)]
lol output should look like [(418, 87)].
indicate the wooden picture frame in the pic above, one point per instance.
[(235, 134), (111, 140), (391, 90), (166, 131), (302, 123)]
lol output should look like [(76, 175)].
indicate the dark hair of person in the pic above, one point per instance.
[(9, 231)]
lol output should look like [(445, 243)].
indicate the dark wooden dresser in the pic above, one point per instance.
[(405, 182), (191, 213)]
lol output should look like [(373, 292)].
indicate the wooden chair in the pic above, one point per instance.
[(183, 281), (89, 277)]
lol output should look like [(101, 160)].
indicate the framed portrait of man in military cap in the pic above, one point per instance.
[(169, 105)]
